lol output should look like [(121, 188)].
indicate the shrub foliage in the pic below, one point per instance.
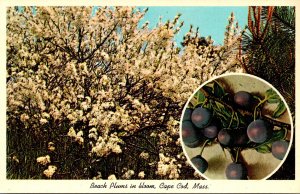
[(99, 95)]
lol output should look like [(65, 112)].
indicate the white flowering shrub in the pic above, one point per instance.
[(98, 94)]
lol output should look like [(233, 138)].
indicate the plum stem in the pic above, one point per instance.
[(237, 119), (259, 104), (258, 145), (237, 155), (232, 154), (202, 149), (216, 99), (257, 98), (276, 122), (230, 123)]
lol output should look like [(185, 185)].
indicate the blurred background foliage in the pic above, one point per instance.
[(269, 47)]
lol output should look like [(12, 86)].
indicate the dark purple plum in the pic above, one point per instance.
[(243, 99), (224, 137), (201, 117), (258, 131), (190, 135), (200, 163), (236, 171), (187, 114), (211, 131), (240, 136), (279, 149)]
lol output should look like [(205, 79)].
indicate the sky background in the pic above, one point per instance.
[(210, 20)]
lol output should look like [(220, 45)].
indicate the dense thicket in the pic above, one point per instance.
[(97, 96)]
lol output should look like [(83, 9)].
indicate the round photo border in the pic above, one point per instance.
[(235, 74)]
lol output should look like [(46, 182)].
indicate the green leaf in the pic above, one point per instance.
[(273, 100), (264, 148), (208, 89), (272, 96), (218, 90), (219, 105), (279, 110), (256, 97), (200, 96), (277, 135), (221, 116), (227, 112)]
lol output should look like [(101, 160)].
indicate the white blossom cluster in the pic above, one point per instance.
[(106, 145), (50, 171), (112, 177), (97, 79), (44, 160), (141, 175), (168, 166), (144, 155), (128, 174)]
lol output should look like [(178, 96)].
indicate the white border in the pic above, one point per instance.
[(77, 186)]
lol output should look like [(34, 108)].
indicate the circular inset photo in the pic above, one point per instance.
[(236, 126)]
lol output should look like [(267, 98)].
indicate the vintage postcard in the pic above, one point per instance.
[(149, 96)]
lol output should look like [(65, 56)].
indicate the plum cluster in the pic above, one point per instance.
[(200, 124), (197, 125)]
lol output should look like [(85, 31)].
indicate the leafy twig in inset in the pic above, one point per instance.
[(276, 122), (229, 106), (207, 95)]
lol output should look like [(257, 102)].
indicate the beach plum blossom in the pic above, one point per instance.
[(95, 84)]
